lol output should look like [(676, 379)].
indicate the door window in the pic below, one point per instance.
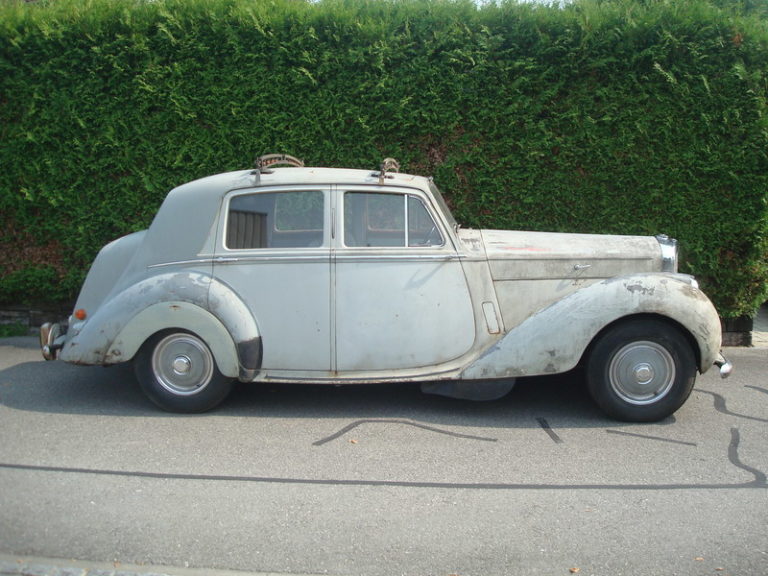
[(379, 220)]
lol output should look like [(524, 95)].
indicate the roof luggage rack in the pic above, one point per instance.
[(387, 165), (271, 160), (264, 162)]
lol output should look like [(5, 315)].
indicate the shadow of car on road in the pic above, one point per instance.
[(54, 387)]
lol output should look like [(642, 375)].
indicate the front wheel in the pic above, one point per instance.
[(178, 372), (641, 370)]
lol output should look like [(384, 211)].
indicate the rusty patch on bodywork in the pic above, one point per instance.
[(113, 356)]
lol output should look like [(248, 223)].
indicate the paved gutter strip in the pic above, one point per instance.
[(760, 329), (30, 566)]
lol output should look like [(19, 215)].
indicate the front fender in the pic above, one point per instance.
[(185, 300), (555, 339)]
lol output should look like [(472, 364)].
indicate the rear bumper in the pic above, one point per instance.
[(52, 337)]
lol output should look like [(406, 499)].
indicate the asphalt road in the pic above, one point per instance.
[(382, 480)]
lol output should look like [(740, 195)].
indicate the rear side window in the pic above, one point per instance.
[(275, 220)]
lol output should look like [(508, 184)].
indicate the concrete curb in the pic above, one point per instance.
[(13, 565), (760, 328)]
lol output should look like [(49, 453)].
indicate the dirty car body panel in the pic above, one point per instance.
[(351, 276)]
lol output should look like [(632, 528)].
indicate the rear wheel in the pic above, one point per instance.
[(178, 372), (641, 370)]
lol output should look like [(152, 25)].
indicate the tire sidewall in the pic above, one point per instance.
[(616, 338), (217, 389)]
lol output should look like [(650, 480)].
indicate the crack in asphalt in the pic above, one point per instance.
[(358, 423), (548, 429), (646, 437)]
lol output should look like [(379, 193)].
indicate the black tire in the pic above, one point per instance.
[(641, 370), (178, 372)]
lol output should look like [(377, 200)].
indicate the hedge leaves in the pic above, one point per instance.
[(613, 116)]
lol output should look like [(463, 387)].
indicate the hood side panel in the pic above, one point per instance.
[(532, 270), (533, 255)]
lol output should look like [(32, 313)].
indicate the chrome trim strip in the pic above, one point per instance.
[(325, 257), (568, 279), (199, 261), (396, 257), (568, 259), (352, 377), (303, 258)]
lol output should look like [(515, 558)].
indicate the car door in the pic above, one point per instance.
[(273, 249), (401, 298)]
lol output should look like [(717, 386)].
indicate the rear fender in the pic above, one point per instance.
[(183, 300), (179, 316)]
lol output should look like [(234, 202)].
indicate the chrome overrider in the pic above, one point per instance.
[(51, 340), (725, 366)]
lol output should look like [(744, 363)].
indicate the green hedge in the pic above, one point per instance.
[(615, 116)]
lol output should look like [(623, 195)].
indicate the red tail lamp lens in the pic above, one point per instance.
[(80, 314)]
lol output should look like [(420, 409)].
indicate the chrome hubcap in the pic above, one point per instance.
[(642, 372), (182, 364)]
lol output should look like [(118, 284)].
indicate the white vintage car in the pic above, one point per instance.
[(332, 276)]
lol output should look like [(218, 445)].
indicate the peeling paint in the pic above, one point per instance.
[(639, 288)]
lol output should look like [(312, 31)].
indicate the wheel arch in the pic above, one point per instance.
[(681, 328), (163, 317)]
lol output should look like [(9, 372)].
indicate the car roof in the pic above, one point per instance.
[(196, 204), (204, 189), (318, 175)]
